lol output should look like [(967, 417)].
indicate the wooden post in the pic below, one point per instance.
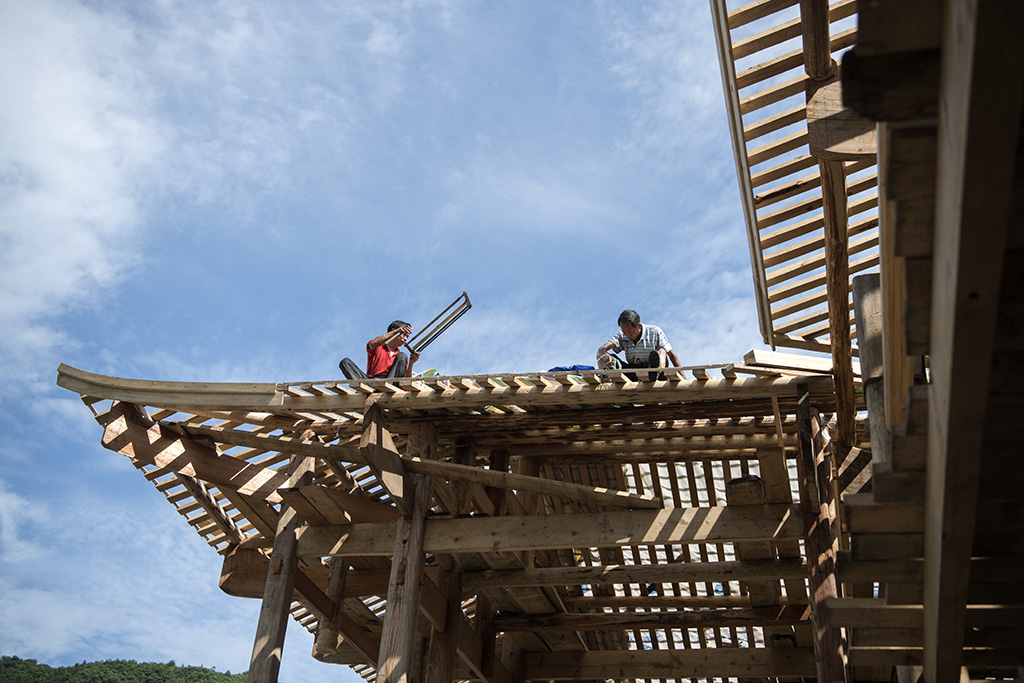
[(328, 633), (829, 648), (398, 638), (819, 66), (837, 283), (751, 491), (814, 26), (277, 596), (443, 644)]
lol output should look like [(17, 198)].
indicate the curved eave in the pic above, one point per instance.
[(222, 395), (538, 390)]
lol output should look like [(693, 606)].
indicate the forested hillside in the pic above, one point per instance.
[(16, 670)]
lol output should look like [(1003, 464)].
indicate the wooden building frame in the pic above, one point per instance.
[(555, 526), (787, 517)]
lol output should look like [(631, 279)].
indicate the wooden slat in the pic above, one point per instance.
[(757, 10), (788, 61)]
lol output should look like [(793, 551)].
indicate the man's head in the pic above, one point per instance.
[(629, 323), (402, 338), (629, 316)]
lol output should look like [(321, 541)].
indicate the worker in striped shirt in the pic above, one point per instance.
[(644, 346)]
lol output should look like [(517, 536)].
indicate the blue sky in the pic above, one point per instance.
[(248, 191)]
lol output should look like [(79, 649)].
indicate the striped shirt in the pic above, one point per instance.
[(651, 339)]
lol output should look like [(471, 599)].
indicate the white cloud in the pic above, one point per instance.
[(662, 55), (73, 146)]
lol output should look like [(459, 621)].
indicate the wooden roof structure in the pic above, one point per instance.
[(781, 518), (557, 526)]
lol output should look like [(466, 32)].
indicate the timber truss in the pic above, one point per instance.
[(512, 527)]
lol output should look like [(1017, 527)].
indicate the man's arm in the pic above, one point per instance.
[(604, 348), (674, 358), (388, 337)]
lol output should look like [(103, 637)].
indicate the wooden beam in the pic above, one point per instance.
[(979, 125), (670, 664), (547, 532), (518, 482), (281, 444), (129, 431)]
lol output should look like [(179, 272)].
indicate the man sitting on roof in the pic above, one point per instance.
[(644, 346), (383, 358)]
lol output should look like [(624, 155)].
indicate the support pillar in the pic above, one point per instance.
[(277, 596), (398, 638)]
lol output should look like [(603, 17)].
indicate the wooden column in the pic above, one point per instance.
[(444, 643), (837, 283), (277, 596), (820, 67), (398, 638), (751, 491), (820, 546), (814, 27)]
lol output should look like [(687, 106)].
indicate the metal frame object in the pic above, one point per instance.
[(432, 331)]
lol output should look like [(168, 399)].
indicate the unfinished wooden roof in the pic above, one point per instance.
[(577, 526), (801, 160)]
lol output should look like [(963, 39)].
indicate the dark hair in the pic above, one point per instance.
[(629, 316), (396, 324)]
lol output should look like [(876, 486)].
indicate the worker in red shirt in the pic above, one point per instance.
[(383, 357)]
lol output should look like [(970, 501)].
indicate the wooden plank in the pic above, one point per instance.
[(791, 60), (540, 532), (772, 94), (980, 103), (669, 664), (758, 9), (727, 64)]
